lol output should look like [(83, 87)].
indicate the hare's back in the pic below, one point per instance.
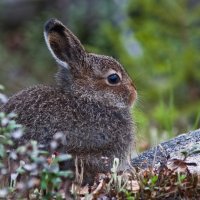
[(41, 109), (87, 125)]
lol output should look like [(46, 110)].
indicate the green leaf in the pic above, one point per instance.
[(154, 179)]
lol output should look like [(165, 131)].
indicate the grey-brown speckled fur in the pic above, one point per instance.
[(93, 115)]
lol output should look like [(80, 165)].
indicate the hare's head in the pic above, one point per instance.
[(95, 77)]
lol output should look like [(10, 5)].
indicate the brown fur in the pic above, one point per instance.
[(93, 115)]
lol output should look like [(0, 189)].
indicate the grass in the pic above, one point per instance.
[(136, 184)]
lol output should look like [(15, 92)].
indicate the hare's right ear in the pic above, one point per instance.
[(63, 44)]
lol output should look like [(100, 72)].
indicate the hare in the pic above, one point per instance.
[(90, 104)]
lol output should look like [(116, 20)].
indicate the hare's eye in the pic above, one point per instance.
[(113, 79)]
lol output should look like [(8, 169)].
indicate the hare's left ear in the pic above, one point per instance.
[(63, 44)]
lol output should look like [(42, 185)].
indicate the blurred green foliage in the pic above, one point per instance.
[(30, 166), (157, 41), (165, 63), (169, 35)]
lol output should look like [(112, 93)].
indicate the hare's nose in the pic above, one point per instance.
[(53, 24)]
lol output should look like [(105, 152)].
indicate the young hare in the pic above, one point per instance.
[(90, 104)]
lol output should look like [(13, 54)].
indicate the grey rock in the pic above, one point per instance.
[(188, 143)]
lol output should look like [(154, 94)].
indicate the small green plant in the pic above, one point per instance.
[(29, 171), (181, 178)]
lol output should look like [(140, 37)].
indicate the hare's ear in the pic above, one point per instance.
[(63, 44)]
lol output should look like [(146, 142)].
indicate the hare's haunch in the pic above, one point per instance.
[(90, 104)]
